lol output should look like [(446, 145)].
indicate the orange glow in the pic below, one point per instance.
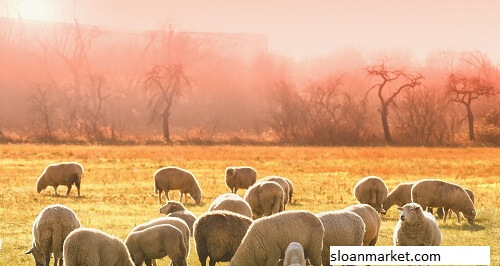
[(36, 10), (300, 28)]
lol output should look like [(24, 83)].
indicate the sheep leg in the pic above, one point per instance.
[(55, 191), (47, 256), (211, 262), (459, 218), (69, 189), (166, 193), (77, 184), (148, 262), (60, 262)]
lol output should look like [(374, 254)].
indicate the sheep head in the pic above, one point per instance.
[(37, 255), (41, 184), (410, 213), (172, 206), (470, 215)]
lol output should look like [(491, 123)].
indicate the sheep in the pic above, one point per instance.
[(342, 228), (176, 209), (265, 198), (282, 182), (372, 222), (441, 211), (290, 190), (66, 173), (438, 193), (399, 196), (231, 202), (294, 255), (416, 227), (157, 242), (172, 178), (240, 177), (88, 246), (268, 238), (174, 221), (218, 234), (52, 225), (371, 190)]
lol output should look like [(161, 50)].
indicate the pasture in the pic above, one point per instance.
[(117, 186)]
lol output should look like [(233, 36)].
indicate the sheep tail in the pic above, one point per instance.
[(278, 204)]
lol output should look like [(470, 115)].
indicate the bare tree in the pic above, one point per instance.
[(288, 111), (465, 89), (165, 84), (93, 113), (41, 104), (386, 93)]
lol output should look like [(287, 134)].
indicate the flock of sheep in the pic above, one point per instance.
[(253, 230)]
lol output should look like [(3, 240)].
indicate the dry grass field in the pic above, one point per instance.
[(117, 187)]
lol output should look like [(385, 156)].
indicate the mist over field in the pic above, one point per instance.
[(71, 75)]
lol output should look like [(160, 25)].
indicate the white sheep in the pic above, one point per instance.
[(52, 225), (372, 222), (218, 234), (88, 246), (294, 255), (231, 202), (265, 198), (416, 227), (342, 228), (282, 182), (441, 211), (371, 190), (268, 238), (64, 174), (176, 209), (157, 242), (438, 193), (173, 178), (174, 221), (240, 177), (399, 196)]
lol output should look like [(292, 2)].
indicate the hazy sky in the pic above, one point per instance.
[(299, 28)]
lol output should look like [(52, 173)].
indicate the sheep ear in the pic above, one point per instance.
[(417, 208), (400, 208), (29, 251)]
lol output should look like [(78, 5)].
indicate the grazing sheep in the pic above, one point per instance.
[(52, 225), (268, 238), (282, 182), (174, 221), (342, 228), (294, 255), (176, 209), (218, 235), (240, 177), (157, 242), (441, 211), (416, 227), (371, 190), (231, 202), (399, 196), (88, 246), (265, 198), (64, 174), (438, 193), (173, 178), (290, 190), (372, 222)]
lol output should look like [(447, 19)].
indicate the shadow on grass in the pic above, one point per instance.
[(465, 227)]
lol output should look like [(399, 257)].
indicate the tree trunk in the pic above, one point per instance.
[(166, 130), (385, 124), (470, 117)]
